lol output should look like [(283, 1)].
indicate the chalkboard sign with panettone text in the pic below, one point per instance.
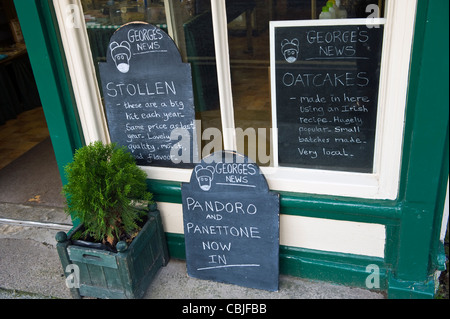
[(325, 85), (231, 223), (148, 97)]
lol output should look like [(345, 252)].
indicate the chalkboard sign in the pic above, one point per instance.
[(148, 97), (325, 93), (231, 223)]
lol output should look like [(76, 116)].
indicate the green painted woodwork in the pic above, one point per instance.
[(176, 246), (125, 274), (425, 154), (347, 269), (399, 289), (44, 48), (340, 268), (412, 251)]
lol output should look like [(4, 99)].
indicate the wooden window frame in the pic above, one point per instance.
[(396, 56)]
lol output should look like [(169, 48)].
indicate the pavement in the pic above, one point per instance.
[(30, 267)]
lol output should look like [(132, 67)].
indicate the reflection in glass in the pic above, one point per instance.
[(248, 37), (191, 30)]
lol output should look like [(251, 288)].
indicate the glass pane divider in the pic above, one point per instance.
[(219, 16)]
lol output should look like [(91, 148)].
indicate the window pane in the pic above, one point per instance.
[(248, 37), (193, 34)]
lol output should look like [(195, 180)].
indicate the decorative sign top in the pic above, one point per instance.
[(148, 97), (231, 223), (228, 172), (143, 45)]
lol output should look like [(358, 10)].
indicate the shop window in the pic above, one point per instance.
[(248, 37), (227, 43), (190, 27)]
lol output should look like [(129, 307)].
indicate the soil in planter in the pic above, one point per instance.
[(89, 242)]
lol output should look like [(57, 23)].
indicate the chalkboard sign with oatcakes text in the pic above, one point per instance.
[(325, 85), (148, 97), (231, 223)]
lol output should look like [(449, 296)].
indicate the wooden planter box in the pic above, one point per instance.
[(122, 275)]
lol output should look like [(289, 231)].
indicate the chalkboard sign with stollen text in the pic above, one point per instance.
[(148, 97)]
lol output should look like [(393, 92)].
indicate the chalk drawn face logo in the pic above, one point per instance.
[(290, 50), (121, 55), (204, 176)]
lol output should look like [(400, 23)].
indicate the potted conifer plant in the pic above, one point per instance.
[(119, 243)]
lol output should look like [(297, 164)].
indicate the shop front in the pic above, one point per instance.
[(347, 118)]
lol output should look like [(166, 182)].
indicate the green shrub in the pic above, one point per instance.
[(103, 186)]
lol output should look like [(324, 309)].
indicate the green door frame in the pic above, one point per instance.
[(41, 35), (425, 166), (413, 251)]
